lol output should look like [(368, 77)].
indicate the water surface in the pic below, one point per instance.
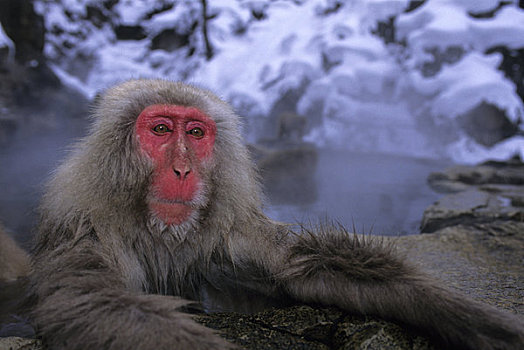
[(385, 194)]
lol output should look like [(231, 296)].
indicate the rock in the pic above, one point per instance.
[(310, 328), (16, 343), (169, 40), (463, 177), (367, 333), (267, 330), (483, 260), (480, 205), (478, 232), (479, 194), (98, 15), (25, 27), (126, 32), (487, 124), (293, 328)]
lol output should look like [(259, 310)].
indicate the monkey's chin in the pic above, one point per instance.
[(171, 213)]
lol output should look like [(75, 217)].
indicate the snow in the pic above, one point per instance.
[(463, 86), (178, 15), (131, 12), (72, 81), (445, 23), (359, 93), (475, 153), (506, 29), (478, 5), (381, 10), (272, 51)]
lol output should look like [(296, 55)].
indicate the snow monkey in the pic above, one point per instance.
[(161, 201), (14, 262)]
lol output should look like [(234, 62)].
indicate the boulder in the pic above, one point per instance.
[(310, 328), (25, 27), (476, 194), (487, 124), (17, 343)]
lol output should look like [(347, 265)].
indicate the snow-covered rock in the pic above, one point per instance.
[(357, 92)]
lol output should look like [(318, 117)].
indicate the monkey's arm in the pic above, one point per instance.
[(365, 276), (83, 303)]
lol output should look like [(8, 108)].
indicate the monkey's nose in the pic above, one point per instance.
[(181, 172)]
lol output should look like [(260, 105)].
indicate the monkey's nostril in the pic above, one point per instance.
[(182, 174)]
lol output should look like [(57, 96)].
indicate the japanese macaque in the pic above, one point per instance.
[(14, 262), (291, 127), (160, 202), (14, 268)]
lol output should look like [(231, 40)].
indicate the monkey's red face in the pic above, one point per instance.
[(179, 140)]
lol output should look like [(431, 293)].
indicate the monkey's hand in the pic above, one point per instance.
[(364, 276), (83, 304)]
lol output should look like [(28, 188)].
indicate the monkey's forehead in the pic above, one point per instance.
[(123, 103), (175, 111)]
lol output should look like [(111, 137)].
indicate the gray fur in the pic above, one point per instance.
[(14, 262), (109, 276)]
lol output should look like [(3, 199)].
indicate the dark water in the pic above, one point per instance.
[(24, 168), (46, 124), (383, 194)]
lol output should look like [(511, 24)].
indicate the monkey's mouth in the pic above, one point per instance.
[(171, 212), (171, 201)]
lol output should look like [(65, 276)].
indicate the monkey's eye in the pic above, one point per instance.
[(196, 132), (161, 129)]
